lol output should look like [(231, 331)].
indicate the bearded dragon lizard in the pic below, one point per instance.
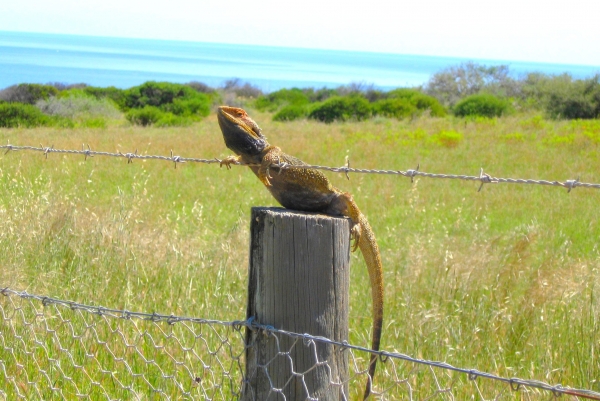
[(305, 190)]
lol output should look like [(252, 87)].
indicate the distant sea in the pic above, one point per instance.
[(123, 62)]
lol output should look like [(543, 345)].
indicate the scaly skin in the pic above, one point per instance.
[(306, 190)]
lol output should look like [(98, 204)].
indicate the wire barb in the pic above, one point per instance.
[(8, 147), (47, 150), (485, 179), (87, 153), (571, 184), (129, 156), (412, 173), (176, 159), (347, 167)]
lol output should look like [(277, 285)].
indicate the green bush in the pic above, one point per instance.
[(482, 105), (355, 101), (575, 99), (320, 95), (341, 109), (420, 100), (178, 99), (283, 97), (172, 120), (424, 102), (115, 94), (560, 96), (361, 89), (403, 93), (189, 107), (151, 115), (13, 115), (27, 93), (394, 108), (576, 106), (155, 94), (148, 115), (291, 112)]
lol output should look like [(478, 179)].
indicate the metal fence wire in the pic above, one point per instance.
[(54, 349), (482, 178)]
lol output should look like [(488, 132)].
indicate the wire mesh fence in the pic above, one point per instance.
[(62, 350), (55, 349)]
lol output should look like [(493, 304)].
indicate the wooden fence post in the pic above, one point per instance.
[(298, 281)]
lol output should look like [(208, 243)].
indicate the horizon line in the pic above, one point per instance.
[(459, 59)]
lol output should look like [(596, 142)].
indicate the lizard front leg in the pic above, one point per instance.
[(271, 156), (229, 160)]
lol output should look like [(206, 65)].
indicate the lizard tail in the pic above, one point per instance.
[(370, 251)]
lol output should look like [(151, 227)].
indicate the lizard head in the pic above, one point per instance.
[(242, 135)]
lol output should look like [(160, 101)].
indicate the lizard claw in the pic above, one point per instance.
[(228, 161), (264, 173), (263, 176), (355, 232)]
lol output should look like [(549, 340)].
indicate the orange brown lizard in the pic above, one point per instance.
[(306, 190)]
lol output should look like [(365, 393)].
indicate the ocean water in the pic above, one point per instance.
[(123, 62)]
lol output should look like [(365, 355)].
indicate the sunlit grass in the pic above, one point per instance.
[(503, 280)]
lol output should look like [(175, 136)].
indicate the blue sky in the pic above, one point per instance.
[(528, 30)]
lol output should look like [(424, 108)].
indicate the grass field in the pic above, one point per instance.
[(504, 280)]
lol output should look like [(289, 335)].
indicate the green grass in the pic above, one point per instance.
[(504, 280)]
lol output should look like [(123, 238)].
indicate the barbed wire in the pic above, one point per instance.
[(235, 351), (208, 385), (483, 177)]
